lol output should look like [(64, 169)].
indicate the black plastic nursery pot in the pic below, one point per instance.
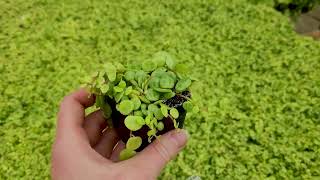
[(124, 133)]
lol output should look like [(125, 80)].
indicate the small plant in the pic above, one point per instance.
[(144, 100)]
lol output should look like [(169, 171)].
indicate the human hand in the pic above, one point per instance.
[(85, 148)]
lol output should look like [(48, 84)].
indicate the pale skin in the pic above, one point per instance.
[(86, 148)]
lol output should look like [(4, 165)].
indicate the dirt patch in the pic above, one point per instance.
[(309, 23)]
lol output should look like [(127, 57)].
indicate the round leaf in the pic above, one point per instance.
[(158, 72), (104, 88), (144, 99), (133, 122), (126, 154), (136, 102), (172, 75), (164, 110), (170, 62), (174, 113), (166, 82), (182, 69), (168, 95), (140, 77), (117, 89), (152, 108), (118, 96), (140, 120), (111, 71), (120, 67), (128, 90), (162, 90), (154, 82), (126, 107), (148, 119), (134, 143), (122, 84), (151, 132), (149, 66), (158, 114), (160, 58), (143, 106), (138, 113), (188, 106), (152, 95), (124, 98), (160, 126), (183, 84), (129, 75)]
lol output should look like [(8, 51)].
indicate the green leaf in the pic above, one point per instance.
[(144, 99), (152, 108), (124, 98), (158, 72), (128, 90), (138, 113), (154, 121), (140, 77), (166, 81), (104, 106), (100, 80), (126, 107), (104, 88), (160, 126), (149, 66), (168, 95), (151, 132), (183, 84), (187, 106), (117, 89), (129, 75), (126, 154), (119, 66), (174, 113), (162, 90), (118, 96), (160, 58), (170, 62), (136, 102), (148, 119), (154, 82), (195, 109), (182, 69), (134, 143), (172, 75), (99, 100), (134, 123), (158, 114), (111, 71), (152, 95), (164, 110), (140, 120), (122, 84), (143, 106)]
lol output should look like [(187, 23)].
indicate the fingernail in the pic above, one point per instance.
[(180, 136)]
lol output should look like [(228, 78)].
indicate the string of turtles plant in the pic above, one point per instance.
[(148, 94)]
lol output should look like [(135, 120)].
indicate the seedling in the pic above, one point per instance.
[(143, 101)]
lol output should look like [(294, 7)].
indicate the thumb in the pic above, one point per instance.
[(155, 156)]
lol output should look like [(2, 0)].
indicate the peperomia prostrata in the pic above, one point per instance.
[(145, 97)]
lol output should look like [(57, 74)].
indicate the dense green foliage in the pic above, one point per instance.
[(140, 92), (258, 93)]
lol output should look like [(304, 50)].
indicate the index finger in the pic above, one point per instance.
[(72, 108)]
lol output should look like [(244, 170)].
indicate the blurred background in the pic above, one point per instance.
[(258, 65)]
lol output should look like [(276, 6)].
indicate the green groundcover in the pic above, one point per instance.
[(258, 88)]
